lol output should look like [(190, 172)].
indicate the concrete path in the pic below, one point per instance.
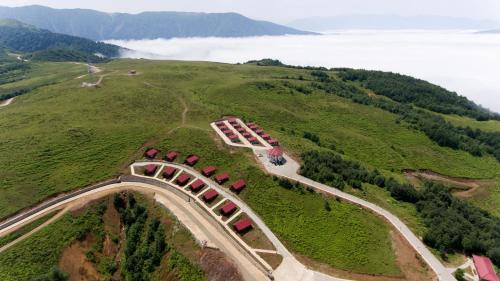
[(290, 171)]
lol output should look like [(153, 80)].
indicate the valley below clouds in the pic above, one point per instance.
[(461, 61)]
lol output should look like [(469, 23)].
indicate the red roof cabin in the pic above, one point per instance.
[(169, 172), (228, 209), (247, 135), (236, 126), (242, 225), (232, 121), (484, 268), (151, 153), (222, 178), (220, 123), (183, 179), (238, 185), (275, 156), (240, 130), (150, 169), (253, 127), (223, 127), (210, 195), (227, 132), (191, 160), (273, 142), (197, 185), (171, 155), (259, 132), (266, 136), (253, 140), (208, 171), (234, 138)]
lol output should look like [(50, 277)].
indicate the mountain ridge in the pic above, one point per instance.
[(100, 26)]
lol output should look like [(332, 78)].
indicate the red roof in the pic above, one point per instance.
[(210, 195), (259, 131), (242, 225), (273, 142), (232, 120), (219, 123), (266, 136), (241, 129), (228, 208), (250, 124), (191, 160), (233, 137), (151, 153), (150, 169), (197, 185), (171, 155), (253, 140), (168, 172), (485, 268), (275, 152), (238, 185), (227, 132), (208, 171), (223, 127), (183, 179), (247, 134), (221, 178), (253, 127)]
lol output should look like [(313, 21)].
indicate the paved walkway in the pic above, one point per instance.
[(290, 169)]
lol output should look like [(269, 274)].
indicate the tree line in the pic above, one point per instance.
[(409, 90), (475, 142), (145, 243), (453, 225)]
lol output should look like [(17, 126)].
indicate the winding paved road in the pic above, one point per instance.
[(290, 169)]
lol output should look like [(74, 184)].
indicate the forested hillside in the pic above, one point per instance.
[(97, 25), (421, 93), (24, 38)]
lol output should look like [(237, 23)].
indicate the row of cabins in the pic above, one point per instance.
[(211, 194), (228, 132), (170, 156), (261, 133)]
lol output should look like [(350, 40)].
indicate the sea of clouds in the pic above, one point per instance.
[(461, 61)]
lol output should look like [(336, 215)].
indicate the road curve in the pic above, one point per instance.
[(290, 170)]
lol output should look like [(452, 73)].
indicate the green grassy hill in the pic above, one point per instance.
[(61, 137)]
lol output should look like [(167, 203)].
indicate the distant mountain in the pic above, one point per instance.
[(148, 25), (391, 22), (21, 37)]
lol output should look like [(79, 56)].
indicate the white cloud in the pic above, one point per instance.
[(459, 61)]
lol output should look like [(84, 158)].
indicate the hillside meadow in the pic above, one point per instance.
[(61, 137)]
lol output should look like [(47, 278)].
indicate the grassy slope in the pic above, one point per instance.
[(347, 237), (62, 137), (45, 73)]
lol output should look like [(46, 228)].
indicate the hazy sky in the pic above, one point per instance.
[(286, 10)]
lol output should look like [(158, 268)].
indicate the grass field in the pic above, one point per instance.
[(25, 229), (346, 237), (61, 137)]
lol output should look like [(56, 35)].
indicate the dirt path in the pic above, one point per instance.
[(25, 236)]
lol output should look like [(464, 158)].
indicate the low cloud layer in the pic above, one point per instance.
[(464, 62)]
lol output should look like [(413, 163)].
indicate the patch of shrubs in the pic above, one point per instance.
[(145, 243), (453, 225)]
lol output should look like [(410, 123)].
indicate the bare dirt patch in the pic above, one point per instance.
[(218, 267), (274, 260), (461, 187), (412, 265), (75, 264)]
